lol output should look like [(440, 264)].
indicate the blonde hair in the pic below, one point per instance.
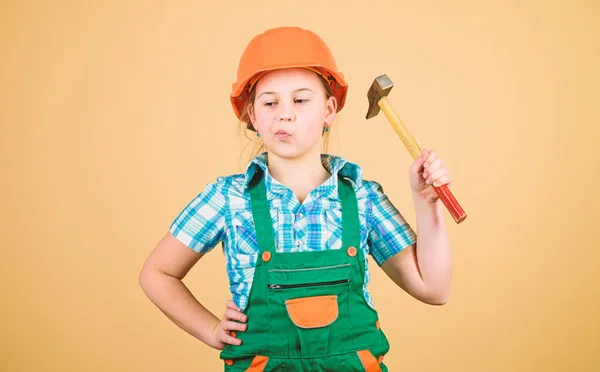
[(245, 123)]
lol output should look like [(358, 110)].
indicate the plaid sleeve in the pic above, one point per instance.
[(201, 224), (389, 232)]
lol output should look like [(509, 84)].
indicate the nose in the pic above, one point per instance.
[(287, 113)]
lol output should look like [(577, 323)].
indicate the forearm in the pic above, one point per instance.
[(176, 301), (433, 248)]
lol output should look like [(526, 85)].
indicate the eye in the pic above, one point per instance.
[(270, 103), (301, 100)]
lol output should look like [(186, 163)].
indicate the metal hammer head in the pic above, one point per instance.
[(380, 88)]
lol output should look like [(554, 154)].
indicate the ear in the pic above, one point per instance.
[(330, 109)]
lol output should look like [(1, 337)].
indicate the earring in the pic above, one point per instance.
[(326, 129), (257, 134)]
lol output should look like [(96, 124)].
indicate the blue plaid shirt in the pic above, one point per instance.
[(222, 213)]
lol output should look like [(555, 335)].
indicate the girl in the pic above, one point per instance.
[(297, 227)]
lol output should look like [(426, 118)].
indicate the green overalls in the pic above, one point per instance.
[(307, 310)]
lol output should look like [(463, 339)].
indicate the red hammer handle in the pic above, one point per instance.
[(411, 145), (451, 204)]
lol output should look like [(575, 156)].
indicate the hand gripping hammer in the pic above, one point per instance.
[(377, 96)]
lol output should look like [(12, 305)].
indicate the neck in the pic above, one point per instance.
[(301, 174)]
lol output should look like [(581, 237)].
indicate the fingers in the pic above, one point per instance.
[(431, 156), (233, 312), (434, 166), (438, 178), (227, 332), (236, 315), (434, 172), (442, 180), (229, 325), (228, 339), (231, 305)]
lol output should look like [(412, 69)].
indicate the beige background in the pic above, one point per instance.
[(115, 114)]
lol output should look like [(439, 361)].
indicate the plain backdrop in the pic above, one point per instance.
[(115, 114)]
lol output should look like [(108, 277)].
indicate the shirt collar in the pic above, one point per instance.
[(334, 164)]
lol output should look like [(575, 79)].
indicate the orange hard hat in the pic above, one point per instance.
[(286, 47)]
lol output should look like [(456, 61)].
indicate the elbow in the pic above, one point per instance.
[(145, 277), (438, 299), (151, 278), (142, 279)]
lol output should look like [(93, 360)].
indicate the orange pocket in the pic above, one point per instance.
[(313, 312), (368, 361)]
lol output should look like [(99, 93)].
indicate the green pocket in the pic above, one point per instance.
[(305, 311)]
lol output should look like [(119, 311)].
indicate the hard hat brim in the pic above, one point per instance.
[(241, 90)]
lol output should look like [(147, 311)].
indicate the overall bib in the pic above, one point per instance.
[(307, 310)]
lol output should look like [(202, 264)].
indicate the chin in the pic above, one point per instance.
[(288, 151)]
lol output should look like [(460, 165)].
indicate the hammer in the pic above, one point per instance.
[(377, 96)]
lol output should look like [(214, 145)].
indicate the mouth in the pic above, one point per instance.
[(282, 134)]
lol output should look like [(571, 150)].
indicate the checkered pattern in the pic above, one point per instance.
[(222, 212)]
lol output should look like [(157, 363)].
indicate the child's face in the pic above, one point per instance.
[(290, 111)]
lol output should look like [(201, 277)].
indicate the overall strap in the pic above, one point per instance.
[(350, 220), (261, 214)]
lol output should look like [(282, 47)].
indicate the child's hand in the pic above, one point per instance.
[(425, 171), (223, 333)]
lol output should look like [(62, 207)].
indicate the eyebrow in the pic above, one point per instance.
[(296, 91)]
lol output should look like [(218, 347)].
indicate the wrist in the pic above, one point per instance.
[(424, 198), (211, 339), (428, 209)]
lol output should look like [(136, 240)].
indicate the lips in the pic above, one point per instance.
[(282, 134)]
